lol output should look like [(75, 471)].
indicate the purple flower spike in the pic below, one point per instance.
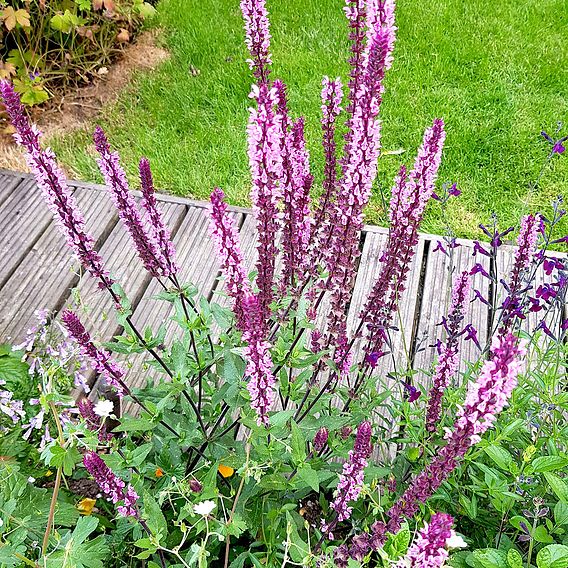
[(261, 381), (429, 549), (226, 237), (100, 359), (160, 232), (412, 393), (320, 439), (112, 485), (115, 179), (265, 160), (257, 37), (53, 185), (448, 362), (352, 476), (484, 400)]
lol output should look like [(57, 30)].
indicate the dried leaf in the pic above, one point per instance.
[(123, 36), (109, 5)]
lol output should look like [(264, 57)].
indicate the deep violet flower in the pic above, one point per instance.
[(53, 185), (112, 485), (100, 359), (148, 250), (430, 547), (448, 361), (159, 231), (226, 237), (352, 476), (257, 38), (265, 160), (258, 371)]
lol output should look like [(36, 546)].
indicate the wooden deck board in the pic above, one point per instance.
[(45, 276)]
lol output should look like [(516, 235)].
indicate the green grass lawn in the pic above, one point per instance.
[(497, 72)]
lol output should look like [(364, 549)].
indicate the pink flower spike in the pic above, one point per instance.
[(257, 38)]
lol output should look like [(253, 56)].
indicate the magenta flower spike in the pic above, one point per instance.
[(410, 194), (100, 359), (53, 185), (261, 381), (352, 476), (159, 231), (226, 237), (265, 160), (485, 398), (359, 165), (93, 421), (112, 485), (148, 250), (430, 547), (448, 361), (257, 38), (513, 306)]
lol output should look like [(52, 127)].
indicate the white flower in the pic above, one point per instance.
[(204, 508), (456, 541), (31, 479), (104, 408)]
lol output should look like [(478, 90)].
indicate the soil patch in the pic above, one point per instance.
[(78, 107)]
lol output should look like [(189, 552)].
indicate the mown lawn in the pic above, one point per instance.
[(497, 72)]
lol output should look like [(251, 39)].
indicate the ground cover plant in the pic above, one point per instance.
[(498, 76), (48, 46), (274, 436)]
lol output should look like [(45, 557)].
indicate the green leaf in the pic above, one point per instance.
[(540, 534), (84, 527), (499, 455), (128, 424), (514, 559), (309, 476), (561, 514), (558, 486), (491, 558), (154, 516), (57, 456), (298, 444), (12, 369), (553, 556), (548, 463)]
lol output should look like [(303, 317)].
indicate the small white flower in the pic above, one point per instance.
[(31, 479), (174, 479), (204, 508), (456, 541), (104, 408)]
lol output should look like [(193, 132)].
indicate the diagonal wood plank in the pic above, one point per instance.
[(45, 276), (23, 218), (8, 183)]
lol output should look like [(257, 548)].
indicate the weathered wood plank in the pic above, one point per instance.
[(8, 183), (23, 218), (45, 276)]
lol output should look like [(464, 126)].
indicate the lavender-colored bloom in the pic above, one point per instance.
[(148, 250), (92, 420), (429, 549), (257, 38), (410, 195), (112, 485), (352, 476), (320, 439), (265, 160), (261, 381), (226, 237), (485, 398), (448, 361), (100, 359), (359, 165), (53, 185), (12, 408), (160, 232)]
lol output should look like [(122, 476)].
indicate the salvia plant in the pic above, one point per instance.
[(272, 431)]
